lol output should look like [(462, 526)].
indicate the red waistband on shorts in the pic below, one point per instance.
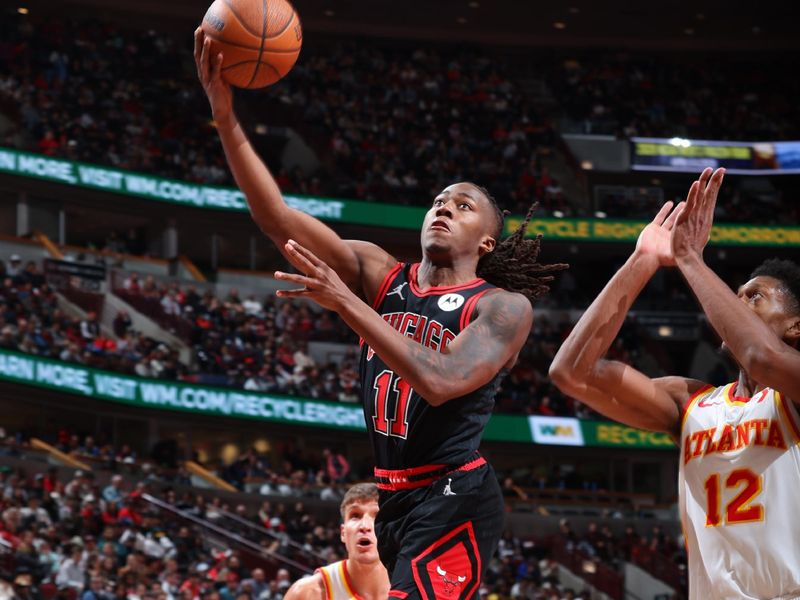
[(417, 477)]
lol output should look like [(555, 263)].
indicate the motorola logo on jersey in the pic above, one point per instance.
[(451, 302)]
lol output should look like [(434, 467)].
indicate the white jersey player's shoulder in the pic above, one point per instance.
[(331, 582), (311, 587)]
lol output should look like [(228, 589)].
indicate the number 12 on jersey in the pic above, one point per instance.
[(388, 421), (739, 509)]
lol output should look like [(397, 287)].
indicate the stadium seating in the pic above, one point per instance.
[(63, 533), (388, 125)]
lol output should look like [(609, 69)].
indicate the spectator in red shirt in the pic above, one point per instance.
[(48, 145)]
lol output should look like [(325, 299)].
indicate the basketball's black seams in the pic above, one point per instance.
[(261, 49)]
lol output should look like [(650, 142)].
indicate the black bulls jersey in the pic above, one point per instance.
[(404, 429)]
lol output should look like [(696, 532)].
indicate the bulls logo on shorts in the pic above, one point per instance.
[(450, 567)]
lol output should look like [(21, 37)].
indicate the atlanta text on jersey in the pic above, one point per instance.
[(767, 432)]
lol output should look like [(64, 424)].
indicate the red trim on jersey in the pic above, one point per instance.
[(397, 594), (475, 553), (349, 582), (384, 287), (787, 409), (408, 485), (326, 581), (733, 398), (407, 472), (691, 400), (401, 479), (694, 396), (438, 289), (466, 314)]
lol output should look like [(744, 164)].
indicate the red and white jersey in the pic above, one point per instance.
[(740, 493), (337, 582)]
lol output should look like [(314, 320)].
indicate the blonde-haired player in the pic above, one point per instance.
[(740, 443), (362, 575)]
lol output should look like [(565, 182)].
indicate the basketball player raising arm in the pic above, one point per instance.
[(350, 272), (616, 389), (361, 265), (760, 324), (437, 337), (740, 443)]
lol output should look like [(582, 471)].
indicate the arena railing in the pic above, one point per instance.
[(252, 554), (661, 567), (257, 530), (579, 497), (598, 574)]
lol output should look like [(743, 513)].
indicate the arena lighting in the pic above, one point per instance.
[(260, 129), (680, 142), (665, 331), (600, 214), (262, 445), (589, 566), (587, 165), (558, 214), (560, 25), (22, 10)]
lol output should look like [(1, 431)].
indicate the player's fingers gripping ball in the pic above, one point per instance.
[(260, 40)]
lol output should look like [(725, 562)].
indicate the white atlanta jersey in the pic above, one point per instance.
[(337, 582), (740, 494)]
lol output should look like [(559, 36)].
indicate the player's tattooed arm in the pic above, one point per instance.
[(489, 343), (492, 341)]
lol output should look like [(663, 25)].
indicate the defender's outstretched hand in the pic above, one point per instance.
[(209, 68), (692, 228), (320, 283), (654, 240)]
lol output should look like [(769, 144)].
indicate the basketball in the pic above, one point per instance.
[(259, 40)]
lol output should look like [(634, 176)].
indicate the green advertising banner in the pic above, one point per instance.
[(276, 408), (151, 393), (353, 212), (200, 196), (507, 428), (614, 435), (568, 431), (605, 230)]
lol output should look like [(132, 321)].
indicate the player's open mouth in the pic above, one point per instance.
[(364, 543), (439, 224)]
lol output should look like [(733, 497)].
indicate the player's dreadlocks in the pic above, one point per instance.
[(513, 264)]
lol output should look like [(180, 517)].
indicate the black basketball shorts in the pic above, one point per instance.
[(436, 539)]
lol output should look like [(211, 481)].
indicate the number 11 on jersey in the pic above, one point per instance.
[(388, 385)]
